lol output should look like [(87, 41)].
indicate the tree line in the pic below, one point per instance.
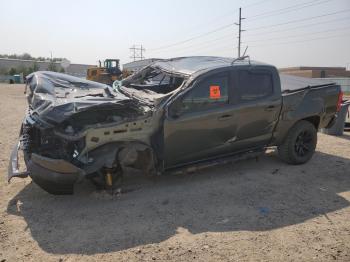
[(26, 56), (26, 70)]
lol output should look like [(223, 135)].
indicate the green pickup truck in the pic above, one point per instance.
[(169, 115)]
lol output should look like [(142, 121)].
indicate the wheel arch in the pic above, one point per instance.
[(315, 120)]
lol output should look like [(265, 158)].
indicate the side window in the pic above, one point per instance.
[(254, 85), (208, 93)]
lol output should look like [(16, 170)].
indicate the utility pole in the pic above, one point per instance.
[(137, 52), (132, 49), (141, 49), (240, 31)]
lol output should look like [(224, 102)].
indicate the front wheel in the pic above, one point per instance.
[(300, 143)]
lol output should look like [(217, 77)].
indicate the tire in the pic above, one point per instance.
[(300, 143)]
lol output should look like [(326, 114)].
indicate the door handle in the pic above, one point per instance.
[(224, 117)]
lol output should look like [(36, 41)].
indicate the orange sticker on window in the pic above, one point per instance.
[(215, 92)]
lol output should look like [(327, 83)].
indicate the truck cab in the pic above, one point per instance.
[(224, 110)]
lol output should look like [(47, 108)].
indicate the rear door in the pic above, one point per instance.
[(201, 123), (258, 98)]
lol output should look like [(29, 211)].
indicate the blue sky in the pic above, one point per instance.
[(86, 31)]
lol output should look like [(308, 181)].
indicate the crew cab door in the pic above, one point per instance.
[(201, 122), (257, 96)]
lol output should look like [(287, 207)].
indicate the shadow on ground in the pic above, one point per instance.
[(248, 195), (346, 136)]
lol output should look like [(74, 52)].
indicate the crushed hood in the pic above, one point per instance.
[(54, 97)]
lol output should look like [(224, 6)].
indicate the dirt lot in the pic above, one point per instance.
[(253, 210)]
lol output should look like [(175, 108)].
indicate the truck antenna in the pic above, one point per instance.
[(245, 50), (242, 57)]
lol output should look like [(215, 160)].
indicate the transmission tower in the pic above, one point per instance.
[(137, 52)]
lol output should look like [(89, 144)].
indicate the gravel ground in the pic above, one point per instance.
[(259, 209)]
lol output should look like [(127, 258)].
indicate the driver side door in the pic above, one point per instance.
[(201, 123)]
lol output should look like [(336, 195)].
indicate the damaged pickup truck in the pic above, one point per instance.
[(171, 114)]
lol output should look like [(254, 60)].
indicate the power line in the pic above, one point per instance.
[(230, 35), (301, 41), (287, 9), (205, 43), (231, 13), (209, 32), (228, 47), (252, 29), (281, 9), (256, 3), (313, 33), (221, 45), (300, 20), (301, 26), (195, 37), (157, 50)]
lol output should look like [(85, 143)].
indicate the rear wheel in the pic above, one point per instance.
[(300, 143)]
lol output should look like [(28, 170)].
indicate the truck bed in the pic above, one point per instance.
[(304, 98), (291, 84)]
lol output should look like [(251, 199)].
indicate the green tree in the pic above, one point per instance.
[(12, 71), (35, 67), (22, 69), (52, 67), (3, 71), (26, 56)]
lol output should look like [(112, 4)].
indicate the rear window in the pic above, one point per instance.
[(254, 85)]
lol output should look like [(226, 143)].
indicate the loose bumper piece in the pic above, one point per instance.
[(13, 169), (56, 176)]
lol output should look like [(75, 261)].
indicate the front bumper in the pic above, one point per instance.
[(56, 176)]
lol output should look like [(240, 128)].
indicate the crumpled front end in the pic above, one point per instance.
[(56, 176), (56, 182), (76, 128)]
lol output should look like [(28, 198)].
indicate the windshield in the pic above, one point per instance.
[(155, 80)]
